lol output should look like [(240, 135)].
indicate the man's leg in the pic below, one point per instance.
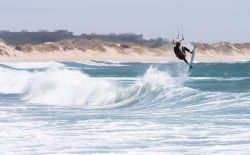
[(186, 49), (185, 60)]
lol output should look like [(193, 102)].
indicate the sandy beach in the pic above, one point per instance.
[(137, 54)]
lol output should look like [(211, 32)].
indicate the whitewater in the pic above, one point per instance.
[(98, 107)]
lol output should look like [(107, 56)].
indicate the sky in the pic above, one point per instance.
[(199, 20)]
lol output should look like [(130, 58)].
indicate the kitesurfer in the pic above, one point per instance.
[(180, 50)]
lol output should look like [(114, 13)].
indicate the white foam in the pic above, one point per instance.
[(99, 64), (154, 77), (13, 82), (74, 89), (63, 87), (27, 65)]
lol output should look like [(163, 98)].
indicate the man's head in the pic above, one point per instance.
[(177, 40), (177, 44)]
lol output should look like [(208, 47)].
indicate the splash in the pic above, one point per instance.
[(64, 87), (155, 78)]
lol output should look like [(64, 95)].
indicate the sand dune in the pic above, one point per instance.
[(100, 50)]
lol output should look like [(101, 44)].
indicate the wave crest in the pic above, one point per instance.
[(64, 87)]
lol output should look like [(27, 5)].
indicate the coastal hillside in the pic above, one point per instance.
[(97, 49)]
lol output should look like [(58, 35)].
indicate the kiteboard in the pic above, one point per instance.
[(191, 60)]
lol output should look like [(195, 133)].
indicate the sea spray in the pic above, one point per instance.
[(14, 82), (74, 89), (64, 87)]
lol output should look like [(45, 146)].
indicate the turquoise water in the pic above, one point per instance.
[(124, 108)]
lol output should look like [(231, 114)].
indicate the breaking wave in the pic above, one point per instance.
[(60, 86), (64, 87)]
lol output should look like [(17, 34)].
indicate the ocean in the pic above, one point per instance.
[(97, 107)]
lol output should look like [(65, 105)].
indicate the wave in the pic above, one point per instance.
[(34, 65), (63, 87), (74, 88), (220, 78), (101, 63)]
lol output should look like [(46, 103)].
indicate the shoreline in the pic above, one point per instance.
[(120, 60)]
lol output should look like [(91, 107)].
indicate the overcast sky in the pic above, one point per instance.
[(201, 20)]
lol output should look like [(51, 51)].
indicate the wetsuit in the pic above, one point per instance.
[(180, 52)]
